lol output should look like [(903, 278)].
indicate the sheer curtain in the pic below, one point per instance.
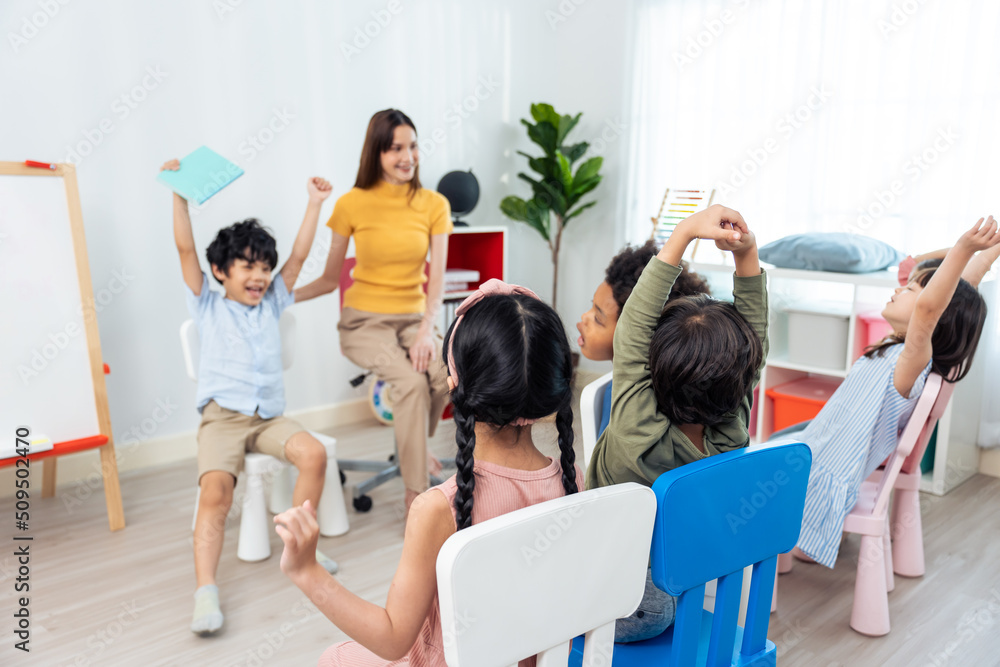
[(878, 118), (849, 116)]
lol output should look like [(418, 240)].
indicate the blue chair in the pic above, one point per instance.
[(715, 517)]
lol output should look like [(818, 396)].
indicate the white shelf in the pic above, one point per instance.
[(805, 368), (955, 456), (876, 279)]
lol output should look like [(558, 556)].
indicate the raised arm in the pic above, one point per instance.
[(632, 389), (980, 265), (319, 189), (184, 237), (391, 631), (424, 349), (330, 279), (934, 298)]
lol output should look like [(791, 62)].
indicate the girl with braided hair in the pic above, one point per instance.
[(508, 366)]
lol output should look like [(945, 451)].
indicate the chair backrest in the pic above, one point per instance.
[(930, 406), (528, 582), (912, 462), (678, 204), (591, 414), (714, 518), (191, 344), (347, 276)]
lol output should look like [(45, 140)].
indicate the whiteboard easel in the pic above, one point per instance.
[(51, 367)]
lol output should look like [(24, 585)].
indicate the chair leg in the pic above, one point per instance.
[(255, 537), (332, 511), (282, 486), (870, 615), (890, 581), (197, 500), (774, 596), (907, 529)]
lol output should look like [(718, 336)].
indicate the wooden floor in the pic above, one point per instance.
[(126, 598)]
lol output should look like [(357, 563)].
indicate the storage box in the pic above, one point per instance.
[(800, 400), (817, 334), (875, 327)]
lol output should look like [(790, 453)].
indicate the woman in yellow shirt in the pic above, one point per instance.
[(387, 324)]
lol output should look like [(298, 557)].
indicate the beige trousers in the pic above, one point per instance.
[(380, 343)]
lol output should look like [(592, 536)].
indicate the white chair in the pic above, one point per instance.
[(255, 529), (528, 582), (591, 411)]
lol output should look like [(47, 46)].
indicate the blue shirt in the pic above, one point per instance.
[(240, 364)]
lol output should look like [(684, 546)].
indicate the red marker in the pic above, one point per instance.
[(40, 165)]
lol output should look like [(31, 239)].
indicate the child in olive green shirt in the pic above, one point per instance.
[(683, 376)]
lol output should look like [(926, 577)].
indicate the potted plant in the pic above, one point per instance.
[(556, 190)]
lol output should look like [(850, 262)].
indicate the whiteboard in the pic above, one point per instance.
[(46, 381)]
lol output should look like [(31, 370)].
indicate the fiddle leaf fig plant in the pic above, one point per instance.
[(556, 189)]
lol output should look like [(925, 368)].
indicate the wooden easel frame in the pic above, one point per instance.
[(109, 464), (663, 203)]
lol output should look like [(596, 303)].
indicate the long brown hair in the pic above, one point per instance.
[(956, 335), (378, 139)]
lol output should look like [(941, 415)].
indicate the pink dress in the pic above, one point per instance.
[(498, 491)]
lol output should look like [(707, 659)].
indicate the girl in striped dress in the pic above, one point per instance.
[(936, 319), (509, 365)]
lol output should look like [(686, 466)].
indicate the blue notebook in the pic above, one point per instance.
[(203, 173)]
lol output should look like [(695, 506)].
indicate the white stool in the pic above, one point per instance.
[(255, 528)]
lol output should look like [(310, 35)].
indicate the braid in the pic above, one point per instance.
[(465, 436), (564, 424)]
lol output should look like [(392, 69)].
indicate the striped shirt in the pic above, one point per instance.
[(853, 434), (499, 490)]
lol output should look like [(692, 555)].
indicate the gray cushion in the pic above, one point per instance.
[(839, 252)]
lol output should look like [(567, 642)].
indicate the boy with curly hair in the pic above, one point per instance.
[(241, 395)]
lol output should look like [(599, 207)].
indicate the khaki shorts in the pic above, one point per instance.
[(225, 436)]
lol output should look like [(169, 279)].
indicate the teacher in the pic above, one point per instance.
[(387, 325)]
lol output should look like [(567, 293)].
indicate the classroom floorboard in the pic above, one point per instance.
[(101, 598)]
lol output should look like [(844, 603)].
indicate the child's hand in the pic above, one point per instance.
[(299, 531), (717, 223), (171, 165), (982, 236), (318, 188), (746, 242)]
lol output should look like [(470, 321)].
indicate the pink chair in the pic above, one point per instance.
[(907, 530), (870, 516)]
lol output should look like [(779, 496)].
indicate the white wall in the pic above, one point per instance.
[(81, 82)]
